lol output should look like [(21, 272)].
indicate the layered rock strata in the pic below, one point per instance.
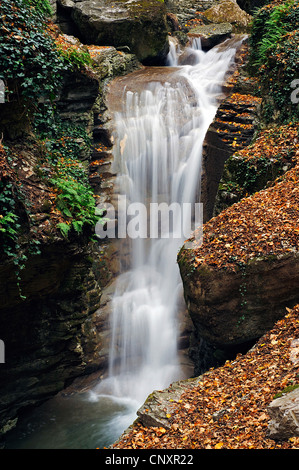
[(232, 129)]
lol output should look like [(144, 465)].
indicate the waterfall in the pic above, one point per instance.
[(159, 134)]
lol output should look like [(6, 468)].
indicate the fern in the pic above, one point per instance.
[(76, 202), (268, 28), (64, 228)]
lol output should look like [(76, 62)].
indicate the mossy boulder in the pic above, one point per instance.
[(141, 26), (229, 11)]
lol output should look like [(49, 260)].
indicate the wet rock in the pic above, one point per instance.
[(141, 26), (284, 416), (212, 34), (185, 10), (233, 129), (49, 336), (158, 406)]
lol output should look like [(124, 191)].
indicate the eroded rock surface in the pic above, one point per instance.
[(140, 26)]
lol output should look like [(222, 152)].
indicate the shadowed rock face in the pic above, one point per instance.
[(212, 34), (49, 337), (250, 5), (235, 307), (231, 310), (141, 26)]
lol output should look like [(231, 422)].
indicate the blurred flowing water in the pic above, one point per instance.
[(158, 133)]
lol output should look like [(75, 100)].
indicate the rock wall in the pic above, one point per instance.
[(231, 310), (49, 337), (232, 129), (60, 330)]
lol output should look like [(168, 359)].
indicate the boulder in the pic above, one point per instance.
[(50, 337), (142, 26), (240, 270), (211, 34), (229, 11), (284, 416), (234, 308), (186, 10)]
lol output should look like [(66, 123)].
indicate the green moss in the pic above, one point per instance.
[(286, 390), (274, 58)]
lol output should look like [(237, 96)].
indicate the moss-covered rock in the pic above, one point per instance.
[(228, 11), (141, 26)]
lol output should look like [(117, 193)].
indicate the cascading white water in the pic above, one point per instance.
[(158, 140)]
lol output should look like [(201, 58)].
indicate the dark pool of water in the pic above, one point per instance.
[(72, 422)]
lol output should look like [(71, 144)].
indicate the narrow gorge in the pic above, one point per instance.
[(108, 313)]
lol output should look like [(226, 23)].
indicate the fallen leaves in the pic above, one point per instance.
[(264, 224), (229, 404)]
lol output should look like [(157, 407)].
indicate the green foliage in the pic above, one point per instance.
[(32, 67), (63, 142), (77, 59), (30, 64), (10, 229), (42, 7), (281, 69), (9, 226), (274, 58), (76, 202)]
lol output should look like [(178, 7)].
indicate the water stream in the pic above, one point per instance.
[(159, 133)]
